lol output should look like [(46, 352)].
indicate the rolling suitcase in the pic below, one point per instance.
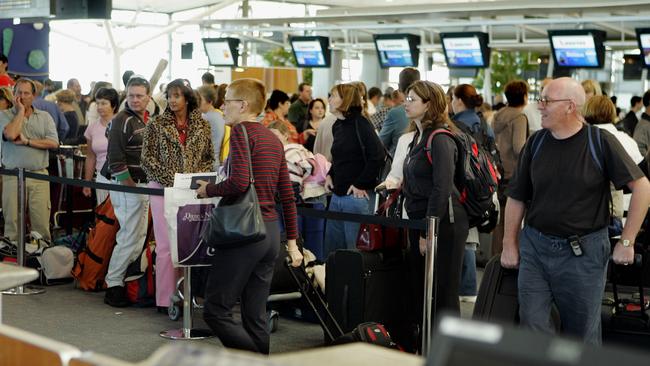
[(497, 296), (367, 287), (369, 332), (626, 319)]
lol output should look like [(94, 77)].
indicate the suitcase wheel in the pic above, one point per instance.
[(274, 318)]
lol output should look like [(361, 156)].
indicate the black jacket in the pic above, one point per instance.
[(125, 133), (357, 159)]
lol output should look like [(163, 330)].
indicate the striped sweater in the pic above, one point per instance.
[(269, 170)]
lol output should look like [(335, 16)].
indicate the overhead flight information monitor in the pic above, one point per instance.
[(397, 50), (643, 37), (311, 51), (222, 51), (578, 48), (466, 49)]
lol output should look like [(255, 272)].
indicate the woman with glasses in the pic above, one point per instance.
[(357, 158), (511, 131), (177, 141), (429, 190), (244, 273), (107, 101)]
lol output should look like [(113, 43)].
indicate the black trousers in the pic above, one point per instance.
[(242, 273), (448, 267)]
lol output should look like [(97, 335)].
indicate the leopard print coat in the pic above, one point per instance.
[(163, 155)]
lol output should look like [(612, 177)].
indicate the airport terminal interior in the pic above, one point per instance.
[(312, 182)]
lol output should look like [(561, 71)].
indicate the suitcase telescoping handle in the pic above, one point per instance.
[(430, 287), (638, 263)]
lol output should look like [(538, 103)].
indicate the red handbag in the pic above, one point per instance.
[(373, 237)]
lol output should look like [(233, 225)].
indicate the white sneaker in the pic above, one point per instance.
[(471, 299)]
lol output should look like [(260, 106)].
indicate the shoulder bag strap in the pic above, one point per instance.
[(248, 154)]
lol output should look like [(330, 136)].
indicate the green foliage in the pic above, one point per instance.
[(283, 58), (507, 66), (279, 57)]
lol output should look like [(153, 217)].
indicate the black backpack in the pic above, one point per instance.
[(480, 134), (476, 180)]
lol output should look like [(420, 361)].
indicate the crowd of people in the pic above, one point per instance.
[(304, 150)]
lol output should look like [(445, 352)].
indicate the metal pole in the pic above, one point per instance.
[(430, 286), (187, 332), (20, 250)]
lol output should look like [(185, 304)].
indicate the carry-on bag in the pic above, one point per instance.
[(373, 237), (368, 287), (368, 332)]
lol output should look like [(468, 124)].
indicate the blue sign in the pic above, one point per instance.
[(463, 52), (575, 51), (394, 52)]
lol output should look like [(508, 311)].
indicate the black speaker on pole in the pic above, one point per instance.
[(81, 9), (186, 51)]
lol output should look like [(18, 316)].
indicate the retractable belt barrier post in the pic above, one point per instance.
[(187, 332), (20, 250), (430, 284)]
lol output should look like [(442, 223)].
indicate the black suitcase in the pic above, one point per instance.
[(368, 287), (497, 297), (626, 319)]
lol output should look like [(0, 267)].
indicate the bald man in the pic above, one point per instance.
[(561, 186)]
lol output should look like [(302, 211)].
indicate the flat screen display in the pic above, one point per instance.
[(463, 52), (643, 36), (221, 51), (575, 51), (578, 48), (308, 53), (394, 52), (466, 49), (311, 51)]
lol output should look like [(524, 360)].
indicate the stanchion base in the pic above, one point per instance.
[(180, 334), (24, 290)]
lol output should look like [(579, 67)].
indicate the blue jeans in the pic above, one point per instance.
[(343, 234), (468, 276), (549, 272)]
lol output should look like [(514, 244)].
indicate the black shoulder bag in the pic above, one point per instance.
[(240, 222)]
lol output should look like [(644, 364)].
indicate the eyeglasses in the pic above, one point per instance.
[(233, 100), (545, 101), (410, 99)]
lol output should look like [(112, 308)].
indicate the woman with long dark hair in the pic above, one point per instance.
[(315, 114), (429, 189), (244, 273), (177, 141)]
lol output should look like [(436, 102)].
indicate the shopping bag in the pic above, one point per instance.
[(186, 217)]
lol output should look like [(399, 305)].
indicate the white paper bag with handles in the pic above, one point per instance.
[(186, 216)]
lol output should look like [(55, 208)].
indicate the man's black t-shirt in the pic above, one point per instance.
[(564, 190)]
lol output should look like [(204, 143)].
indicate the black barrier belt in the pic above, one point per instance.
[(331, 215), (85, 183), (363, 219)]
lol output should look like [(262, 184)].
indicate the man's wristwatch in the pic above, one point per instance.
[(626, 243)]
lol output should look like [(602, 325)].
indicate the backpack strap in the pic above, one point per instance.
[(537, 142), (596, 148), (363, 147), (430, 140)]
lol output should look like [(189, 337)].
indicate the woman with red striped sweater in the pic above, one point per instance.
[(245, 272)]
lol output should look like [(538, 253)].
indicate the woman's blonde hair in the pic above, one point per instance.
[(280, 126), (66, 96), (250, 90), (592, 86), (6, 94), (350, 99), (435, 97), (599, 109), (363, 92)]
